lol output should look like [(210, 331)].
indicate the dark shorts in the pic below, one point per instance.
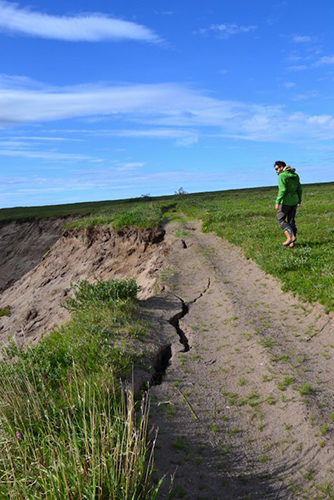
[(286, 217)]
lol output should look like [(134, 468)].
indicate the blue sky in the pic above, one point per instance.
[(118, 99)]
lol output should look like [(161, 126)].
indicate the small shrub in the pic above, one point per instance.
[(305, 389), (323, 429), (281, 386), (101, 292), (4, 311), (145, 216)]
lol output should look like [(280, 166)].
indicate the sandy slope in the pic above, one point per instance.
[(233, 422), (22, 245), (102, 253)]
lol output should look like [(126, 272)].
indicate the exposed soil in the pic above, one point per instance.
[(243, 379), (102, 253), (22, 245)]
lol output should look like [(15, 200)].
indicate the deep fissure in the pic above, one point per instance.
[(164, 354), (175, 322)]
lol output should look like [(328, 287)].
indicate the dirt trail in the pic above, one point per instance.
[(246, 406)]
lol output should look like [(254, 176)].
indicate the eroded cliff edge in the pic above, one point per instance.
[(40, 260)]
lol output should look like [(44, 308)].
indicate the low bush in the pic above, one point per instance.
[(87, 294)]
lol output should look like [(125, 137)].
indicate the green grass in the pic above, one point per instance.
[(4, 311), (100, 209), (68, 427), (305, 389), (142, 216), (287, 381)]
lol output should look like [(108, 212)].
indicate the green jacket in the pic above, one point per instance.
[(289, 189)]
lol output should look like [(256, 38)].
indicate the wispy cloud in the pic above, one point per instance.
[(303, 39), (129, 166), (311, 94), (299, 67), (163, 111), (227, 30), (323, 61), (289, 85), (182, 137), (17, 81), (94, 27), (46, 155)]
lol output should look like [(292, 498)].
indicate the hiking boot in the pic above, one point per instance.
[(290, 237), (292, 244)]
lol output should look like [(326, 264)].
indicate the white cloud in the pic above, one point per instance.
[(300, 67), (227, 30), (324, 61), (182, 137), (17, 82), (163, 111), (311, 94), (88, 27), (289, 85), (130, 166), (45, 155), (302, 39)]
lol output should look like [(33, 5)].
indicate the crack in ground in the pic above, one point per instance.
[(175, 320), (164, 354)]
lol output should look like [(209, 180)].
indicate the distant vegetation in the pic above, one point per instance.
[(142, 216), (98, 208)]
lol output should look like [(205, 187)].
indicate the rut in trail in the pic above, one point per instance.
[(246, 410)]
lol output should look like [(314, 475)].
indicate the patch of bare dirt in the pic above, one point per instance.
[(22, 245), (245, 408), (100, 253)]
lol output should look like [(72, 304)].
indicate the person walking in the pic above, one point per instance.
[(289, 197)]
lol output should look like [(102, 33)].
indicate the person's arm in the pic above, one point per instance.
[(281, 190), (299, 192)]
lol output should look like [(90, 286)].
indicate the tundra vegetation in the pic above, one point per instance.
[(68, 427)]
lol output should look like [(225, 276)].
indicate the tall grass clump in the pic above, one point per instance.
[(69, 428), (141, 215)]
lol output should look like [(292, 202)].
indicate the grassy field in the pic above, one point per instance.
[(88, 209)]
